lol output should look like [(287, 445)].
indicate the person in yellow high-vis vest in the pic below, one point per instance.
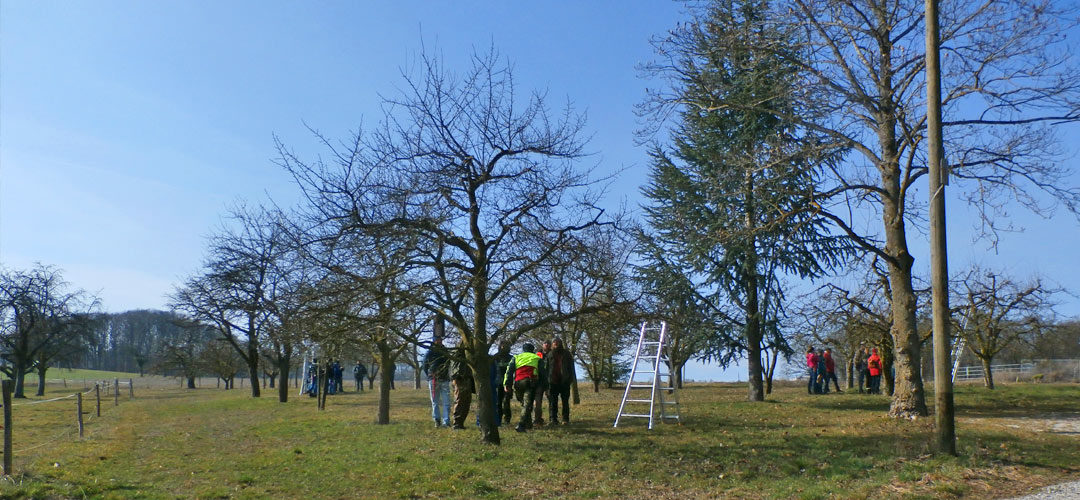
[(523, 374)]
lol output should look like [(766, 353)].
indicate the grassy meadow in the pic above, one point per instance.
[(170, 442)]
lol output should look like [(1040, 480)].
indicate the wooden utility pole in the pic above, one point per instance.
[(939, 268)]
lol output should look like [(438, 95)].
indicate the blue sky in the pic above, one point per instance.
[(127, 128)]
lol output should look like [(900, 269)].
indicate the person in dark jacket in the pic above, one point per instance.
[(339, 375), (461, 376), (822, 380), (436, 367), (523, 374), (541, 385), (561, 374), (359, 372), (860, 369), (499, 362)]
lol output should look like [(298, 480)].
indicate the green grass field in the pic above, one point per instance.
[(210, 443)]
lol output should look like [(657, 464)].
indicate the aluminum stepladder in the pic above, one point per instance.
[(958, 351), (651, 353)]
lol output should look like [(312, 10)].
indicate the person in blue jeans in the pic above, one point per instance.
[(822, 382), (436, 367), (811, 366)]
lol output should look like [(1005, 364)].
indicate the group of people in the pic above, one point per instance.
[(868, 368), (334, 374), (528, 376), (822, 369)]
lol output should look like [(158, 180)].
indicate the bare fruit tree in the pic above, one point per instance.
[(997, 311), (483, 184)]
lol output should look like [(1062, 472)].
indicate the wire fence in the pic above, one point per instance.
[(45, 422), (1039, 370)]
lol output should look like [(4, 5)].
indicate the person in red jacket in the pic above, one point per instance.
[(830, 370), (874, 365), (812, 387)]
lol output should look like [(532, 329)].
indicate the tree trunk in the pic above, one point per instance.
[(851, 371), (386, 363), (485, 403), (20, 375), (41, 380), (988, 374), (253, 367), (283, 375), (771, 372), (909, 398), (191, 382), (574, 392), (596, 385), (753, 331)]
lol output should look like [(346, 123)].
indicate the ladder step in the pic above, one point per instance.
[(641, 386), (633, 415), (650, 343), (639, 401)]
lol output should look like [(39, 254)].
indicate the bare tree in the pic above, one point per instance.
[(242, 279), (997, 311), (39, 319), (220, 358), (182, 354), (483, 184)]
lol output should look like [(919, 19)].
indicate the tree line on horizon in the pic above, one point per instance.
[(786, 145)]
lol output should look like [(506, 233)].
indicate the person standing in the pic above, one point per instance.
[(830, 370), (523, 375), (560, 375), (359, 372), (541, 385), (339, 376), (438, 373), (822, 386), (860, 369), (499, 362), (873, 365), (461, 377), (811, 367)]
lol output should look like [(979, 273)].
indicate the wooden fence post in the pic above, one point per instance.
[(116, 392), (8, 386), (78, 410), (131, 388), (97, 395)]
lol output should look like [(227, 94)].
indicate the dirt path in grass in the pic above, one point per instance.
[(1057, 423)]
